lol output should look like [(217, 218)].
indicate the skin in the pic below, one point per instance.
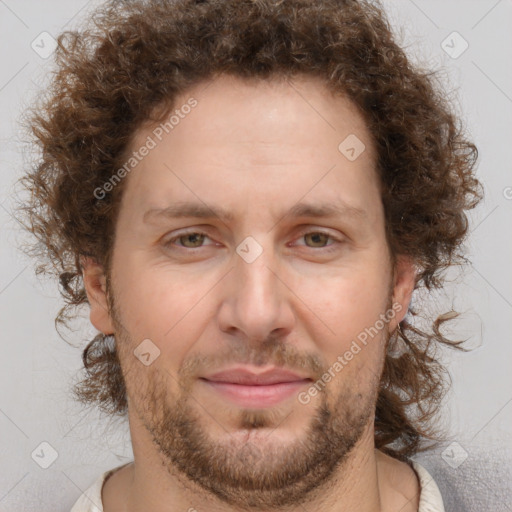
[(256, 149)]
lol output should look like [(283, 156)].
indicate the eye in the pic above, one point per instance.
[(192, 240), (318, 240)]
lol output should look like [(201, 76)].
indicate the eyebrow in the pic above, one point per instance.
[(202, 211)]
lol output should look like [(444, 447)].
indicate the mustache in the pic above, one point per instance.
[(269, 352)]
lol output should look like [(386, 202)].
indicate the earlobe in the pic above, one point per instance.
[(95, 287), (403, 287)]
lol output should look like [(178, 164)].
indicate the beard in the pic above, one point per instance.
[(249, 469)]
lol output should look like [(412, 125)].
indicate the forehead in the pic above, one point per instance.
[(254, 137), (295, 108)]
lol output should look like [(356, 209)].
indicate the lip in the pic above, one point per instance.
[(247, 388), (246, 376)]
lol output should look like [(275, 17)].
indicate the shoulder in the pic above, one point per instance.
[(407, 485), (91, 500), (430, 497)]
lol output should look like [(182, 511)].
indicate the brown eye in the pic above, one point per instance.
[(192, 240), (195, 240), (318, 239)]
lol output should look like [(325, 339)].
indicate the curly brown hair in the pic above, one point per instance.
[(137, 56)]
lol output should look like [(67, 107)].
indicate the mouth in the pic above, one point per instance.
[(245, 388)]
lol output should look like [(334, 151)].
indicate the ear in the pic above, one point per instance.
[(95, 287), (404, 280)]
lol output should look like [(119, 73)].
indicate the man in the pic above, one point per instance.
[(251, 192)]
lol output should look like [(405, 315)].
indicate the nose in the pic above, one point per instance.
[(256, 301)]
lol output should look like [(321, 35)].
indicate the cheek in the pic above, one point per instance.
[(353, 352), (347, 301), (161, 304), (347, 310)]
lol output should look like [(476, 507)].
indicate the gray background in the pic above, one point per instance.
[(472, 467)]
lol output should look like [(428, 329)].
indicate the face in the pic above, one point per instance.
[(249, 241)]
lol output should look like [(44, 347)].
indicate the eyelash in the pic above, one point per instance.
[(328, 248)]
